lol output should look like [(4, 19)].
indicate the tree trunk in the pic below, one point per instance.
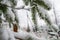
[(15, 28)]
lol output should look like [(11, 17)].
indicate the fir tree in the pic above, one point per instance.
[(35, 9)]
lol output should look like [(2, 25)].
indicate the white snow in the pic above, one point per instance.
[(23, 22)]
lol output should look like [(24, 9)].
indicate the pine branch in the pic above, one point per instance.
[(18, 7)]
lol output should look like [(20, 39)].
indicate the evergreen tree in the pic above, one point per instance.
[(36, 4)]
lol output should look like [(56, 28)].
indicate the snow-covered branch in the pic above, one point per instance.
[(25, 35), (18, 8)]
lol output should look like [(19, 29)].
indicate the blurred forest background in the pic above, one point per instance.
[(29, 20)]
